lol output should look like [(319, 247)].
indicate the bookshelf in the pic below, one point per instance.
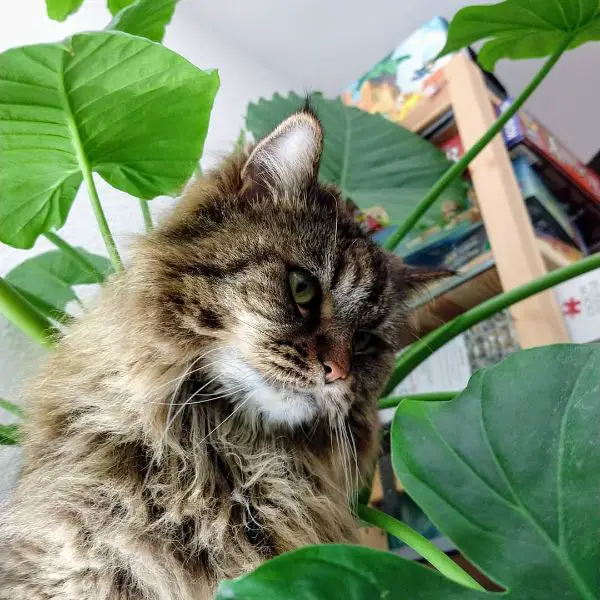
[(465, 106), (518, 256)]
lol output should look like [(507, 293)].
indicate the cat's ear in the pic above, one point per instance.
[(409, 280), (288, 158)]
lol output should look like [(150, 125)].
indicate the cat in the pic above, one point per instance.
[(218, 406)]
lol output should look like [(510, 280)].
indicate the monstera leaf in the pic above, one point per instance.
[(129, 109), (524, 28), (374, 161), (47, 280), (509, 470), (146, 18), (346, 572)]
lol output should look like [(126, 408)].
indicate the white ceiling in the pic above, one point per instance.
[(326, 44)]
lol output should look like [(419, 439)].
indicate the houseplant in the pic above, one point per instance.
[(530, 524)]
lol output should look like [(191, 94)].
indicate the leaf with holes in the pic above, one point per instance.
[(374, 161), (129, 109), (47, 280), (59, 10), (145, 18), (343, 571), (510, 470), (518, 29)]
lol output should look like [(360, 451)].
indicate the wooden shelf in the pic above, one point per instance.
[(451, 299), (377, 487), (518, 257)]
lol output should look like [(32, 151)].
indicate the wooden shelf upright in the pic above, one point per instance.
[(519, 257)]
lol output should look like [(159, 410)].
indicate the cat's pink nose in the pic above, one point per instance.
[(334, 371)]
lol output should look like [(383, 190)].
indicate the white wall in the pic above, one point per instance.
[(326, 44), (242, 80)]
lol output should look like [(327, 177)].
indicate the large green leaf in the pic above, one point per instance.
[(524, 28), (374, 161), (59, 10), (510, 470), (115, 6), (49, 278), (346, 572), (125, 107), (146, 18)]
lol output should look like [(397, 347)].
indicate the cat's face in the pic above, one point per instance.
[(295, 313)]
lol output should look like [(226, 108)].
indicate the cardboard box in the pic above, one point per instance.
[(579, 299), (406, 77), (522, 128)]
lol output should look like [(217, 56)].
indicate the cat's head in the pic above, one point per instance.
[(264, 274)]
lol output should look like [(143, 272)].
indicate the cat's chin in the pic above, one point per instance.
[(256, 397)]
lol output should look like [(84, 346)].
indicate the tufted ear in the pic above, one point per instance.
[(410, 279), (288, 158)]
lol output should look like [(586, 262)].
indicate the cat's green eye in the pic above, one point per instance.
[(304, 287)]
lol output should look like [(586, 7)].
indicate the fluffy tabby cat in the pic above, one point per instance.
[(218, 406)]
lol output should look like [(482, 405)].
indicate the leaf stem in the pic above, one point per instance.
[(86, 171), (109, 241), (25, 316), (429, 343), (421, 545), (75, 255), (12, 408), (146, 214), (459, 167), (393, 401)]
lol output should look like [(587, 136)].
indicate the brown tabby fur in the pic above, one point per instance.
[(146, 478)]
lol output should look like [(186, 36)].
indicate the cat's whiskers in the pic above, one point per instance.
[(421, 340), (187, 402), (344, 454), (233, 412), (352, 454), (256, 329), (170, 416), (187, 373), (335, 438)]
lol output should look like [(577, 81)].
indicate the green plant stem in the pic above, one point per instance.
[(109, 241), (25, 316), (86, 171), (393, 401), (74, 254), (12, 408), (459, 167), (429, 343), (147, 216), (421, 545)]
